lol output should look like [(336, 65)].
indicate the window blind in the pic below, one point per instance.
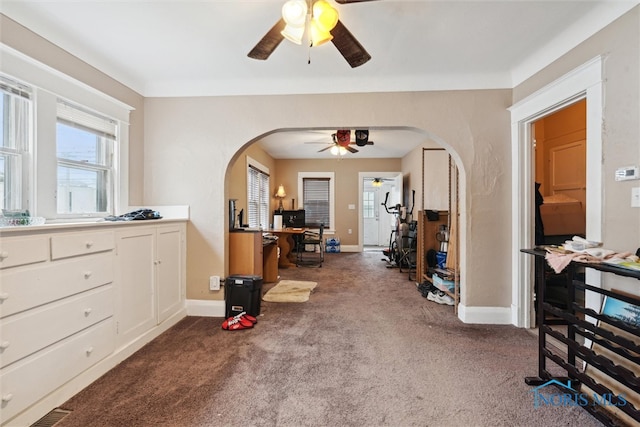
[(316, 201), (257, 198), (76, 117)]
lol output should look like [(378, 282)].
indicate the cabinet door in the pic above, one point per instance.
[(169, 268), (135, 268)]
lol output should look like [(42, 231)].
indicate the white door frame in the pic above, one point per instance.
[(361, 176), (583, 82)]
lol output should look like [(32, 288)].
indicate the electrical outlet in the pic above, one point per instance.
[(214, 283)]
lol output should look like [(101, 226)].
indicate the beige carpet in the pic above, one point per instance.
[(290, 291)]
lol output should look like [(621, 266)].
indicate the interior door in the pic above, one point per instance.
[(370, 216)]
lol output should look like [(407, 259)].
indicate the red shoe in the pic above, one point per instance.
[(246, 316), (233, 323)]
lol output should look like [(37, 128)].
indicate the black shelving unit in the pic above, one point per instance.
[(606, 333)]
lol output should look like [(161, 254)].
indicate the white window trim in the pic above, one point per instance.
[(48, 85), (257, 165), (585, 81), (332, 193)]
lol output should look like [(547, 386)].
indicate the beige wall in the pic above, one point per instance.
[(192, 141), (346, 186), (619, 43)]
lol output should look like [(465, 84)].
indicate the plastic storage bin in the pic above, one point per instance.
[(243, 293)]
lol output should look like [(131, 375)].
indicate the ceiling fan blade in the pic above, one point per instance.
[(269, 42), (348, 46), (351, 149), (325, 149)]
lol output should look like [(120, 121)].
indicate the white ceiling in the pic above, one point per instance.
[(199, 47)]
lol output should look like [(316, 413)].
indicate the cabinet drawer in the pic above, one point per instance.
[(52, 322), (27, 381), (68, 245), (22, 289), (16, 251)]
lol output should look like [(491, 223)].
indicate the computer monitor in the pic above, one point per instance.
[(293, 219)]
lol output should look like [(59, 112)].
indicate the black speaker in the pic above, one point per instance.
[(362, 137)]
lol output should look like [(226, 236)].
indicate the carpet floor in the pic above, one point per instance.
[(366, 349)]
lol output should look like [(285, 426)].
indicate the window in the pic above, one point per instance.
[(257, 197), (15, 128), (84, 150), (64, 145), (316, 201), (368, 204)]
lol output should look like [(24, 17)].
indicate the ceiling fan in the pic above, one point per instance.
[(348, 46), (342, 141)]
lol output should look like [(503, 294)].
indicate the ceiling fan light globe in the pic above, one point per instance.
[(335, 150), (293, 34), (294, 12), (342, 150), (324, 15), (318, 35)]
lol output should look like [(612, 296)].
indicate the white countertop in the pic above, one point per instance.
[(169, 214)]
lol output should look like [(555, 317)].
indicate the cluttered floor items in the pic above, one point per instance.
[(239, 321), (430, 292), (580, 249)]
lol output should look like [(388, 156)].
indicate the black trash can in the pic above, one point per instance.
[(243, 293)]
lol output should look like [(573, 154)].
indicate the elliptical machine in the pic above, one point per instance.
[(402, 238)]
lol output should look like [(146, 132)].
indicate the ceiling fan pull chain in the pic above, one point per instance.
[(309, 57)]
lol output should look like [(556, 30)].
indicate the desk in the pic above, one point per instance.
[(285, 243), (249, 255)]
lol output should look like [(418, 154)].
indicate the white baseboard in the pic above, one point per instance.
[(485, 315), (205, 308)]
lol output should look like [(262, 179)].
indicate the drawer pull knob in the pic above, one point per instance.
[(4, 296), (89, 244), (89, 351), (4, 345), (7, 397), (3, 255), (87, 274), (87, 311)]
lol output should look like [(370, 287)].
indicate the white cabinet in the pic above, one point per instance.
[(170, 265), (150, 273), (77, 300), (56, 316)]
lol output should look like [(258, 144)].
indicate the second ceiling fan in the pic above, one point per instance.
[(342, 141), (322, 23)]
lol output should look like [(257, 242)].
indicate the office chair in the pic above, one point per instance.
[(314, 257)]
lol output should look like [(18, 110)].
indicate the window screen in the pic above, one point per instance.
[(316, 201), (257, 198)]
